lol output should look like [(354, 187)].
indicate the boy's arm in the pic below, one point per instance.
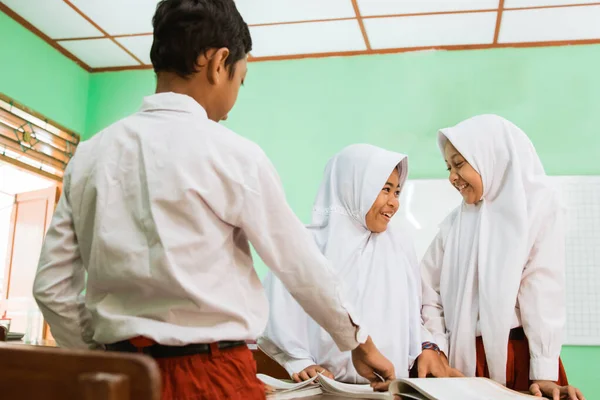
[(60, 280), (288, 249)]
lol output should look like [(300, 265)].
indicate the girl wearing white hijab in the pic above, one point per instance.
[(493, 278), (356, 200)]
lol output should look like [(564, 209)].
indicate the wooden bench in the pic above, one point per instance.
[(36, 372)]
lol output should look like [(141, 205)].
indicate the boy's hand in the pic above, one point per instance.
[(369, 362)]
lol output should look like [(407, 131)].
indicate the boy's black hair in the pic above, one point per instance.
[(185, 29)]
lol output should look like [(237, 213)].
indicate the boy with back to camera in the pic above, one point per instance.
[(158, 209)]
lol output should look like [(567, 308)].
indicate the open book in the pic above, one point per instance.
[(453, 388), (317, 385), (406, 389)]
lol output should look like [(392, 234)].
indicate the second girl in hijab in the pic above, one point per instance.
[(493, 278)]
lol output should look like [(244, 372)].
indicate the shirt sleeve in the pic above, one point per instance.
[(432, 310), (426, 336), (60, 280), (292, 365), (411, 254), (287, 248), (542, 300)]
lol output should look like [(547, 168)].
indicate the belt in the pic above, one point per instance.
[(163, 351), (517, 334)]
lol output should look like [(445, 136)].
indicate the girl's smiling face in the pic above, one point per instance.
[(462, 175)]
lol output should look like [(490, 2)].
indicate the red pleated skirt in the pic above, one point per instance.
[(517, 363)]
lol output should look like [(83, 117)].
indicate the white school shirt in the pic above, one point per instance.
[(158, 210), (431, 272), (543, 334)]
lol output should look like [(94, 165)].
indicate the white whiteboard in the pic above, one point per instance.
[(425, 203)]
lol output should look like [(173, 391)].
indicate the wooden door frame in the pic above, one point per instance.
[(21, 197), (27, 196)]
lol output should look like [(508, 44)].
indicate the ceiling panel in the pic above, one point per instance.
[(312, 37), (394, 7), (54, 18), (450, 29), (138, 45), (99, 53), (119, 17), (269, 11), (541, 3), (550, 24), (291, 28)]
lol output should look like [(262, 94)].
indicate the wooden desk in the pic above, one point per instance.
[(265, 365)]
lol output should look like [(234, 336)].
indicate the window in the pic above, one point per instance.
[(31, 141)]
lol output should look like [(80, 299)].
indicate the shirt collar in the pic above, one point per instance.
[(172, 102)]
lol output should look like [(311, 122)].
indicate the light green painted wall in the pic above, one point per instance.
[(114, 95), (38, 76), (302, 112)]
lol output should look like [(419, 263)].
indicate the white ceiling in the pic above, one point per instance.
[(138, 45), (290, 28), (55, 18), (538, 3), (398, 32), (306, 38), (551, 24), (269, 11), (99, 53), (387, 7)]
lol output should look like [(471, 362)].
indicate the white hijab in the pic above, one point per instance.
[(492, 239), (379, 271)]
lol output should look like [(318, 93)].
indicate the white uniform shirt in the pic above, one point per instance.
[(158, 209), (542, 330)]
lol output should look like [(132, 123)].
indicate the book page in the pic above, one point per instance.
[(350, 390), (413, 396), (459, 388), (295, 394)]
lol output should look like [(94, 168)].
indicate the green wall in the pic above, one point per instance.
[(301, 112), (114, 95), (38, 76)]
